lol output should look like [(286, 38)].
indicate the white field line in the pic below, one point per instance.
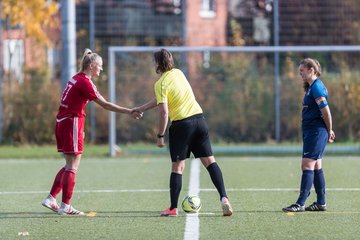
[(276, 189), (167, 190), (94, 191), (192, 224)]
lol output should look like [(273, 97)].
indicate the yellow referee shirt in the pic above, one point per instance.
[(174, 89)]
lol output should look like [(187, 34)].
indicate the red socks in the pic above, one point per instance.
[(68, 184), (57, 185), (65, 181)]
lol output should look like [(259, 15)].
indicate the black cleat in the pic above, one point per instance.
[(294, 208), (315, 207)]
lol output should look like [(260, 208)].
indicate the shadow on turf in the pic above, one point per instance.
[(181, 213), (116, 214), (5, 215), (104, 214)]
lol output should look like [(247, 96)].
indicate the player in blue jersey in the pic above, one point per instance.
[(317, 131)]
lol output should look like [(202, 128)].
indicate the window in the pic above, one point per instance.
[(14, 57), (167, 6), (207, 9)]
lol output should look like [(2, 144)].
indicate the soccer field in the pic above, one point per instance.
[(123, 198)]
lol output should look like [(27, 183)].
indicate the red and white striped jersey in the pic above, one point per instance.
[(77, 93)]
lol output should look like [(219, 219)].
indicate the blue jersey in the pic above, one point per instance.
[(315, 99)]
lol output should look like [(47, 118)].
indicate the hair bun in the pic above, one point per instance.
[(87, 51)]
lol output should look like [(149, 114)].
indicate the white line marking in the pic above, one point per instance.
[(274, 189), (206, 213), (94, 191), (192, 224), (200, 189)]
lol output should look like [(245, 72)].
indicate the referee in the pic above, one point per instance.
[(188, 132)]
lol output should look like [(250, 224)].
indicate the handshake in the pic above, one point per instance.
[(136, 113)]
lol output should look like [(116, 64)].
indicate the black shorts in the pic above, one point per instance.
[(189, 135)]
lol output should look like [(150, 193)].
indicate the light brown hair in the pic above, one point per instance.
[(311, 63), (164, 61)]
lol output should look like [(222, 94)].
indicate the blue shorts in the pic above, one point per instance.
[(314, 143)]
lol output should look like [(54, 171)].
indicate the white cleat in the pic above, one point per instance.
[(226, 207), (50, 203), (68, 210)]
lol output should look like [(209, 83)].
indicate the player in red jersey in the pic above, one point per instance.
[(69, 129)]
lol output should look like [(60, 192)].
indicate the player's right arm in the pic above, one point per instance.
[(113, 107)]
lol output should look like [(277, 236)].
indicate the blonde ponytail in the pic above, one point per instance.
[(88, 58), (86, 52)]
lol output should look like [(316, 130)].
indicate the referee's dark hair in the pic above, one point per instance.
[(164, 61)]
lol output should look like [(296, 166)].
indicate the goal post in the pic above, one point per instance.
[(113, 50)]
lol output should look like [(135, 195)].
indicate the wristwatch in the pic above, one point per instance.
[(159, 135)]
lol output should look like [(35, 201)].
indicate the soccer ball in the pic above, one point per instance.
[(191, 204)]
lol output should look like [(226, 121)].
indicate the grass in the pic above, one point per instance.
[(128, 213), (47, 151), (146, 149)]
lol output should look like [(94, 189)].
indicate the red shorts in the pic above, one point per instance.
[(69, 134)]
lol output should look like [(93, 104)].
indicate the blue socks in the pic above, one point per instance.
[(319, 185), (307, 180)]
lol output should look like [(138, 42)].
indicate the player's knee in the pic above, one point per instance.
[(178, 167), (206, 161)]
